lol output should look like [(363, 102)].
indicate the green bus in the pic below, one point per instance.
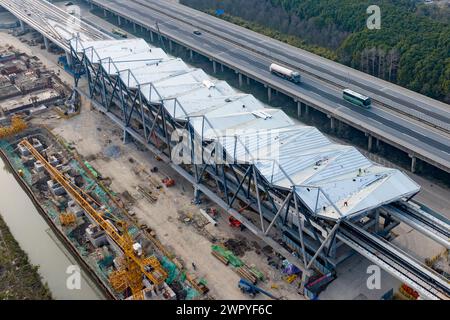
[(357, 98)]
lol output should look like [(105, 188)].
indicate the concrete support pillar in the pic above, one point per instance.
[(170, 45), (191, 54), (413, 164), (214, 66), (119, 21), (105, 13), (306, 110), (248, 81), (47, 44), (377, 220), (69, 58), (151, 35), (126, 137), (369, 142), (269, 93), (22, 25), (240, 79), (92, 6), (332, 123), (303, 282), (221, 67), (378, 144), (197, 194), (134, 27), (299, 109)]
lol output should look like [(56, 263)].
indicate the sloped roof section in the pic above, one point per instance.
[(332, 180)]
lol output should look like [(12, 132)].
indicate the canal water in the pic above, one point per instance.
[(40, 243)]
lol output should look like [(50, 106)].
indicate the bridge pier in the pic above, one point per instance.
[(269, 93), (221, 67), (240, 79), (126, 137), (46, 43), (299, 109), (170, 44), (332, 123), (151, 35), (105, 13), (22, 25), (413, 163), (191, 54), (369, 142), (306, 110), (214, 66), (119, 20), (69, 58), (248, 80), (134, 27)]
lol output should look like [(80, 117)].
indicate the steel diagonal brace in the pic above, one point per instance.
[(258, 199), (288, 198), (325, 241), (299, 226)]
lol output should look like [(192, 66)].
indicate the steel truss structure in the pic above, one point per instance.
[(314, 234)]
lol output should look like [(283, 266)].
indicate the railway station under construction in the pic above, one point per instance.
[(313, 201)]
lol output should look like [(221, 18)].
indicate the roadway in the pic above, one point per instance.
[(53, 23), (394, 128), (410, 102)]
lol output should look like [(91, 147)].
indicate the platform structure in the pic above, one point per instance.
[(290, 185)]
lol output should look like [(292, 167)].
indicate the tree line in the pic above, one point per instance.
[(411, 49)]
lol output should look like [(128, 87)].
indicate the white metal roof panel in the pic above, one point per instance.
[(332, 180)]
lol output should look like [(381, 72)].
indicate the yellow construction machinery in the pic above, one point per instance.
[(17, 125), (67, 218), (134, 264)]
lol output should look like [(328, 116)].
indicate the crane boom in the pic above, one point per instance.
[(124, 242)]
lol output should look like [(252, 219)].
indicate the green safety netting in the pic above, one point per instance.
[(227, 254), (191, 293), (171, 269)]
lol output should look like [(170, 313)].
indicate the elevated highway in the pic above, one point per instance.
[(411, 122)]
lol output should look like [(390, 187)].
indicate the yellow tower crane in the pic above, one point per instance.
[(135, 266)]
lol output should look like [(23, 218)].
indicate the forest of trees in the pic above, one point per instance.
[(412, 48)]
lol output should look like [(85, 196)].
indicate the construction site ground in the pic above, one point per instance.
[(93, 133), (172, 216)]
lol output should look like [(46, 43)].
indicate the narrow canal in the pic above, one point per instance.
[(40, 243)]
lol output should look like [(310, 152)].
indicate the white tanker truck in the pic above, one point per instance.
[(286, 73)]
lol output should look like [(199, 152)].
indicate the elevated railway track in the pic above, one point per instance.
[(143, 118)]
